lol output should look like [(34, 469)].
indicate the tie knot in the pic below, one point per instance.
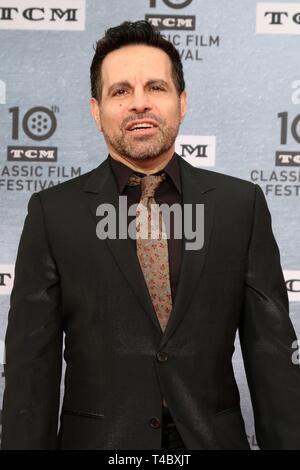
[(149, 183)]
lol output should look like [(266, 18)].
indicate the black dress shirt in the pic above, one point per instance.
[(169, 192)]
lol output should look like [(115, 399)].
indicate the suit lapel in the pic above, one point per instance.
[(101, 188), (195, 190)]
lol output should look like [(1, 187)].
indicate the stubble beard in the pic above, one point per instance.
[(143, 147)]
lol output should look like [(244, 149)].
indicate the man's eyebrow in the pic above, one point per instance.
[(126, 84), (158, 81)]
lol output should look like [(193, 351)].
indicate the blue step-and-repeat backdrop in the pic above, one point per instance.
[(241, 63)]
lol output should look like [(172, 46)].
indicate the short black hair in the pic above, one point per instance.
[(127, 33)]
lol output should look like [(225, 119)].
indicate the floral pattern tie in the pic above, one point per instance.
[(152, 250)]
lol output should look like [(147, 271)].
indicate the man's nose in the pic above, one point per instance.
[(139, 102)]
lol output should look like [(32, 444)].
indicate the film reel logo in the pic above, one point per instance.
[(39, 123)]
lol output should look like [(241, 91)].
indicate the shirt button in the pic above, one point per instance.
[(162, 356), (164, 403), (155, 423)]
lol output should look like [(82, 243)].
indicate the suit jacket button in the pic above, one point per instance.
[(162, 356), (155, 423)]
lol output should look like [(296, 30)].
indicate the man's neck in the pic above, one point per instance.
[(145, 166)]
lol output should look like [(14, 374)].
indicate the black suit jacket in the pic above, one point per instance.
[(119, 363)]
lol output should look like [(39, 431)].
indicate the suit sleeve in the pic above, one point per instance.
[(268, 339), (33, 342)]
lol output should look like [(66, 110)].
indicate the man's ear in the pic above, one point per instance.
[(95, 111), (183, 105)]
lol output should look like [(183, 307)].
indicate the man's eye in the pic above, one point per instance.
[(120, 92), (156, 88)]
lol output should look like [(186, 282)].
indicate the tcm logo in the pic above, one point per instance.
[(176, 22), (289, 128), (2, 92), (292, 281), (287, 158), (278, 18), (172, 22), (197, 150), (63, 15), (7, 272), (38, 123)]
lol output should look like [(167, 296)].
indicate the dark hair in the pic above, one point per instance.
[(139, 32)]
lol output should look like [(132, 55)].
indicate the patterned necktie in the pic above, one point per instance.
[(152, 251)]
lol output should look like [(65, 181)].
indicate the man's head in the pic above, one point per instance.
[(137, 79)]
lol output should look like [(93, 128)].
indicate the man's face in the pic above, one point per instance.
[(140, 111)]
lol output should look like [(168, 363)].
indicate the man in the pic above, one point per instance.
[(149, 325)]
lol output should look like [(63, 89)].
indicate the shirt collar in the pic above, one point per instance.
[(122, 172)]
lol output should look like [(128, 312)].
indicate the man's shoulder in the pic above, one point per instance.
[(72, 188), (227, 191), (223, 178), (219, 180)]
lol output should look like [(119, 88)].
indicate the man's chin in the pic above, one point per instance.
[(143, 156), (143, 153)]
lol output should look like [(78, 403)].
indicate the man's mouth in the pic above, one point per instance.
[(142, 127)]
